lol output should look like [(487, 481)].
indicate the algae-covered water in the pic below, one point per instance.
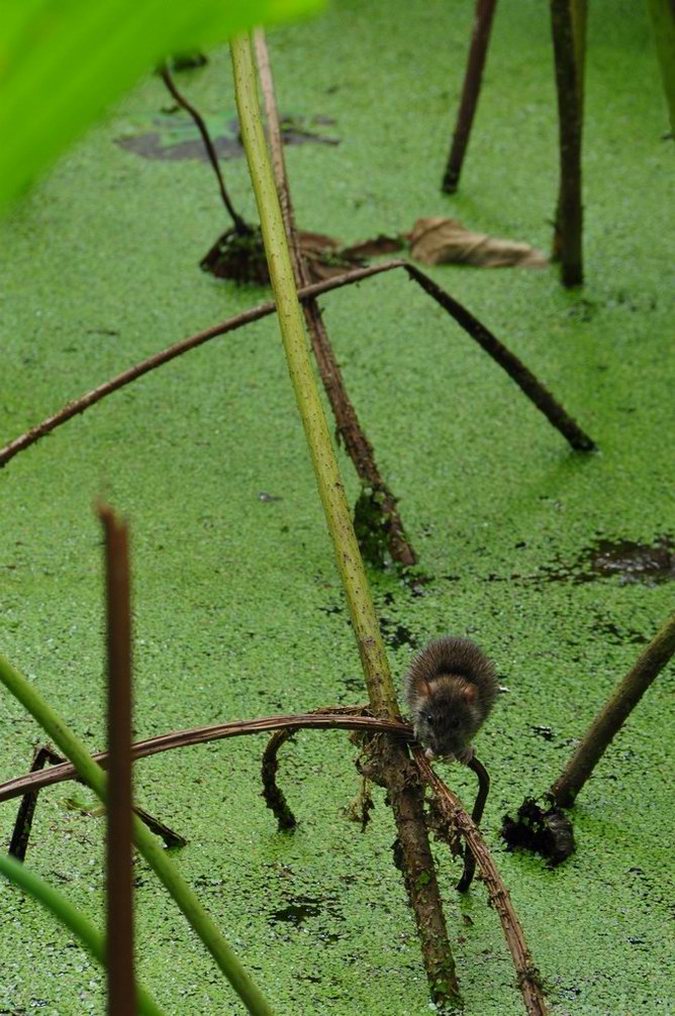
[(238, 608)]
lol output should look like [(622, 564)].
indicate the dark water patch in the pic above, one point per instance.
[(648, 564), (173, 137), (613, 633), (396, 634), (296, 913)]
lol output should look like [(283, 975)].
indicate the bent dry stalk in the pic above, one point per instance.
[(239, 224), (406, 800), (202, 735)]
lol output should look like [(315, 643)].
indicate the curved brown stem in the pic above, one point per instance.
[(90, 398), (476, 816), (239, 224), (529, 980), (274, 797), (517, 371), (202, 735)]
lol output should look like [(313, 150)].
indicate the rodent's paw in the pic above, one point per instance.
[(429, 753), (465, 755)]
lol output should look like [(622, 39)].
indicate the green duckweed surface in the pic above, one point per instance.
[(238, 609)]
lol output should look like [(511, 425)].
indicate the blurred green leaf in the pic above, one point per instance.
[(62, 62)]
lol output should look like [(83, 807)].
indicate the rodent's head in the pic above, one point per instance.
[(447, 715)]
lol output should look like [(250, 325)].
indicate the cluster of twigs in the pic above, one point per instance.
[(117, 762)]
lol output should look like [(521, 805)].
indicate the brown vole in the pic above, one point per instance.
[(450, 689)]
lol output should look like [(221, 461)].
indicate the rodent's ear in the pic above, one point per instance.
[(425, 687), (469, 693)]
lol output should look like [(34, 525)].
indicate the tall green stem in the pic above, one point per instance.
[(83, 930), (393, 765), (331, 490), (154, 854)]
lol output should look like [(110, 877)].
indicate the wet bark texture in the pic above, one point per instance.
[(568, 24)]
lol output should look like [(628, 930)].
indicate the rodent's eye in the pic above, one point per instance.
[(430, 719)]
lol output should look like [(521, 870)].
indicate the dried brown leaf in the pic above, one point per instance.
[(439, 241)]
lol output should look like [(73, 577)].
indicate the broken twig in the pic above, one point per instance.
[(18, 845), (480, 39)]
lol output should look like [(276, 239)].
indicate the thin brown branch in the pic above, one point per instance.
[(568, 25), (272, 795), (79, 405), (202, 735), (528, 977), (515, 368), (24, 819), (523, 377), (480, 39), (240, 225), (18, 845), (349, 427), (613, 715), (119, 846), (476, 816)]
